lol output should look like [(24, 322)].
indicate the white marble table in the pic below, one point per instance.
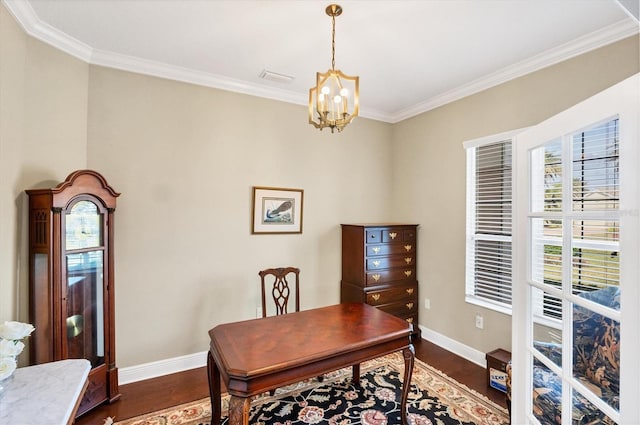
[(45, 394)]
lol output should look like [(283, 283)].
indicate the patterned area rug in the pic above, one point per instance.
[(434, 399)]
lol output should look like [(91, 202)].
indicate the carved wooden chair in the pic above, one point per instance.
[(281, 282)]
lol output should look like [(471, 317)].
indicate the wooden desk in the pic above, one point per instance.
[(259, 355)]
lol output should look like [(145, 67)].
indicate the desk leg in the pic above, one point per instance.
[(239, 410), (214, 389), (408, 354), (356, 374)]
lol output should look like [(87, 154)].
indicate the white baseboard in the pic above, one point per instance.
[(127, 375), (464, 351)]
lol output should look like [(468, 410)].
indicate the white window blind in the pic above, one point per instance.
[(580, 230), (489, 204)]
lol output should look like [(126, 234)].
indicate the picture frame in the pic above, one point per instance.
[(276, 210)]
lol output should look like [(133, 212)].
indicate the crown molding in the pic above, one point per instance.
[(607, 35), (32, 25), (631, 8), (24, 14), (172, 72)]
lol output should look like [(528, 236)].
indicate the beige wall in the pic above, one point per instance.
[(43, 115), (185, 158), (430, 171)]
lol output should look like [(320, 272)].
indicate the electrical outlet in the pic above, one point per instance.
[(427, 303), (479, 322)]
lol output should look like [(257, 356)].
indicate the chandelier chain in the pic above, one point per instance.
[(333, 42)]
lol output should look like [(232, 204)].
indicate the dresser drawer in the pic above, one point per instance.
[(398, 235), (401, 274), (373, 236), (413, 320), (390, 249), (401, 309), (409, 235), (390, 262), (393, 294)]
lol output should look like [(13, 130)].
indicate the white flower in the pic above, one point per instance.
[(15, 330), (10, 348), (7, 366)]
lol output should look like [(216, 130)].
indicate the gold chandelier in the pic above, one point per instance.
[(334, 101)]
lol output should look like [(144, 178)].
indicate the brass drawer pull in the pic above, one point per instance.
[(408, 260), (409, 291), (375, 297), (375, 249), (409, 306), (407, 273), (410, 319), (376, 277), (393, 235), (375, 263), (408, 248)]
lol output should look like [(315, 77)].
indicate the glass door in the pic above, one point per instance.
[(84, 247), (576, 299)]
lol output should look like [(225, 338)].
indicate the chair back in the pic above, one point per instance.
[(280, 281)]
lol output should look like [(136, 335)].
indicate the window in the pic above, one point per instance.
[(594, 161), (574, 249), (589, 245), (489, 203)]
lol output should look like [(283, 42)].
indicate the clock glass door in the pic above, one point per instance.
[(85, 282)]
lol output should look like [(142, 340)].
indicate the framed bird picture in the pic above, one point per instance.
[(277, 210)]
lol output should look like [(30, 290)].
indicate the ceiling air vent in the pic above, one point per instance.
[(274, 76)]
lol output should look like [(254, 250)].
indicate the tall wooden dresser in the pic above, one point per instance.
[(379, 268)]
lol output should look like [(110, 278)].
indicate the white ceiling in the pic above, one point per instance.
[(410, 55)]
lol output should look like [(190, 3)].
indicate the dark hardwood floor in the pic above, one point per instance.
[(171, 390)]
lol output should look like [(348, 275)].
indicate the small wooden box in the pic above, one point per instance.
[(497, 369)]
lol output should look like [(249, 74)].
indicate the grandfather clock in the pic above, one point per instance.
[(71, 230)]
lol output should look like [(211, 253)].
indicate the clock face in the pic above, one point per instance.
[(83, 226)]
